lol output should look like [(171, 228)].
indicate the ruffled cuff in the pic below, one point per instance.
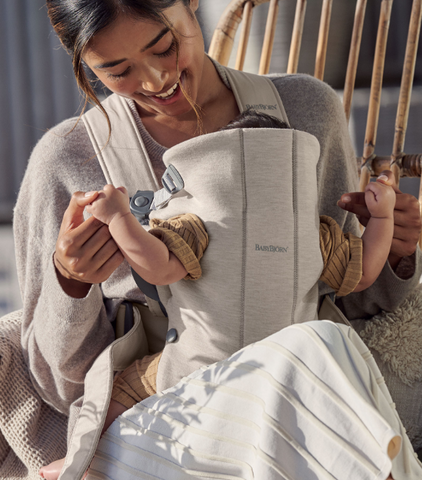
[(185, 236), (342, 256)]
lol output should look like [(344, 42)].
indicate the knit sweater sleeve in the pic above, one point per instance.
[(314, 107), (61, 336)]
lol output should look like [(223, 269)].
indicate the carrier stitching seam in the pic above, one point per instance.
[(98, 150), (295, 226), (243, 272)]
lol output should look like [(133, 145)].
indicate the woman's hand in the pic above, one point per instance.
[(85, 251), (407, 220)]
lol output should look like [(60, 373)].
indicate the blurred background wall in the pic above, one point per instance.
[(38, 89)]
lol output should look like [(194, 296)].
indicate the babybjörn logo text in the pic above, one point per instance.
[(261, 106), (270, 248)]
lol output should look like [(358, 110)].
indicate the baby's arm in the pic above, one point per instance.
[(377, 237), (146, 254)]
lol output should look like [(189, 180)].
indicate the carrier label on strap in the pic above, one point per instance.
[(261, 106)]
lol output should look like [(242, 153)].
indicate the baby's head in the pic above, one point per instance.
[(252, 119)]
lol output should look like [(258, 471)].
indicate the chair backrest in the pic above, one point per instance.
[(241, 11)]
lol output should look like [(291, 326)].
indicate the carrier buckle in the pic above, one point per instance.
[(172, 182), (144, 201)]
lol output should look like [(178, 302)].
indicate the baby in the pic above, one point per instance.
[(172, 250)]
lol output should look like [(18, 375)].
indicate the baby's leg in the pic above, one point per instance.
[(52, 471), (114, 410)]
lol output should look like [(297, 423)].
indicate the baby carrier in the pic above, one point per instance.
[(256, 192)]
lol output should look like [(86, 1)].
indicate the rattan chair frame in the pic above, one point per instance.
[(370, 164)]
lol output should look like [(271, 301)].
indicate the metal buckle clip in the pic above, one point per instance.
[(144, 201), (172, 182)]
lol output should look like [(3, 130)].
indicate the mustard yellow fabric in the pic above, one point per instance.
[(137, 382), (342, 256), (185, 236)]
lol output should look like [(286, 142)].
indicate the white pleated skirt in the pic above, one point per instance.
[(306, 403)]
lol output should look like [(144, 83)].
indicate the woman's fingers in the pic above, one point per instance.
[(98, 238), (75, 243), (111, 264), (406, 236), (355, 203), (108, 251), (92, 262), (74, 214), (407, 224)]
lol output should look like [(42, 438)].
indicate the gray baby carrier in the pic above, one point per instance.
[(256, 192)]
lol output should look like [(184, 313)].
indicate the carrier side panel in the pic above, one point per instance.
[(309, 260), (269, 266)]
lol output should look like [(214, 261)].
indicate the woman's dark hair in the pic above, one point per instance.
[(76, 22)]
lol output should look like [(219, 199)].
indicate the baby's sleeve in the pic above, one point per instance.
[(186, 237), (342, 257)]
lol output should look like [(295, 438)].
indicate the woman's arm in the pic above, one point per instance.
[(146, 254), (61, 335)]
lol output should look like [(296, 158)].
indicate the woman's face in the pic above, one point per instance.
[(136, 59)]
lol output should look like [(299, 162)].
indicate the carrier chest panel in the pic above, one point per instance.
[(257, 277)]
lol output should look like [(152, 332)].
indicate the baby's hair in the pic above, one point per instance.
[(252, 119)]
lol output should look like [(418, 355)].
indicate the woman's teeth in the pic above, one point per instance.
[(169, 92)]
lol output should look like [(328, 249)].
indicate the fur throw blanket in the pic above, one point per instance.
[(397, 337)]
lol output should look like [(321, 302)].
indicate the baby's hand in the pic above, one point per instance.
[(111, 203), (380, 198)]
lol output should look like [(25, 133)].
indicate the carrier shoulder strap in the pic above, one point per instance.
[(122, 153), (256, 92)]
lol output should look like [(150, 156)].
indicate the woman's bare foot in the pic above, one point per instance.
[(52, 471)]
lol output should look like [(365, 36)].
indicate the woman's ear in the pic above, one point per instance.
[(194, 4)]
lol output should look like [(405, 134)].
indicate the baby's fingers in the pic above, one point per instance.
[(122, 189)]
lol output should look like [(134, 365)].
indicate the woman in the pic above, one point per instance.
[(152, 53)]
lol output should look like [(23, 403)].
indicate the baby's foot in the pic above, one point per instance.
[(52, 471)]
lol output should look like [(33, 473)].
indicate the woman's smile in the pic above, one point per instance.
[(169, 95)]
